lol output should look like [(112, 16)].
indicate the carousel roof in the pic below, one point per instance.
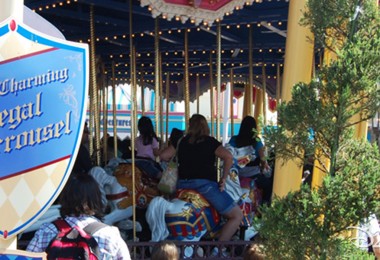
[(266, 18)]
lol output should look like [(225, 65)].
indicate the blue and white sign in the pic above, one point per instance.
[(43, 94)]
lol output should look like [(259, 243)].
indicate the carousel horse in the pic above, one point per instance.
[(114, 195), (189, 216)]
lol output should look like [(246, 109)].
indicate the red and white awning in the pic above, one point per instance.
[(198, 11)]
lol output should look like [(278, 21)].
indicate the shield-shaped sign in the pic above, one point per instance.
[(43, 95)]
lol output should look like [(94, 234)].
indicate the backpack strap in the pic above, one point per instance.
[(93, 227), (62, 226)]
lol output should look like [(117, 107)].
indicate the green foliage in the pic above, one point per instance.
[(319, 121), (309, 223)]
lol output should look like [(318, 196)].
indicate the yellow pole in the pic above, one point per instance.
[(232, 100), (167, 106), (157, 76), (114, 109), (212, 96), (187, 83), (248, 96), (258, 103), (278, 85), (298, 67)]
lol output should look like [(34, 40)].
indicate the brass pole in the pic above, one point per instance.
[(264, 94), (105, 119), (94, 87), (278, 85), (133, 117), (218, 84), (187, 84), (232, 100), (142, 93), (249, 100), (114, 107), (218, 78), (212, 96), (197, 92), (161, 100), (167, 105), (157, 76)]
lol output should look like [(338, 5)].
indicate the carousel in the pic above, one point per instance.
[(169, 59)]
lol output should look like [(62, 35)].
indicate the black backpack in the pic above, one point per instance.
[(74, 242)]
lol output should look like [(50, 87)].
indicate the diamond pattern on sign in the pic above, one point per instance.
[(47, 188), (3, 196), (35, 179), (25, 199), (6, 223)]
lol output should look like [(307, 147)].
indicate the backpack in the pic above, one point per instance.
[(74, 242)]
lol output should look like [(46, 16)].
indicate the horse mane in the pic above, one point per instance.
[(155, 216)]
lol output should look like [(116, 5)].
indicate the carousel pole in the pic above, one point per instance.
[(264, 100), (197, 92), (212, 96), (94, 87), (186, 76), (161, 100), (247, 109), (232, 100), (167, 106), (298, 61), (114, 108), (157, 75), (278, 84), (133, 117), (105, 118), (142, 94), (258, 104), (218, 84), (218, 78)]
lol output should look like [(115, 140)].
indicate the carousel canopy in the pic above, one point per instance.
[(266, 18)]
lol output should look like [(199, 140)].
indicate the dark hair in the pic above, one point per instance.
[(81, 195), (175, 135), (145, 127), (247, 132), (198, 128)]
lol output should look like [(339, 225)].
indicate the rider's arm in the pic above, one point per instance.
[(167, 153), (226, 156)]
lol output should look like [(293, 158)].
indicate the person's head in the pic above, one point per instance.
[(175, 135), (165, 250), (247, 132), (145, 127), (198, 128), (252, 252), (81, 196)]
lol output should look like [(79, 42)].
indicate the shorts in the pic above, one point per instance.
[(220, 200)]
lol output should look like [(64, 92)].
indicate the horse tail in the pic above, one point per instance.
[(155, 216)]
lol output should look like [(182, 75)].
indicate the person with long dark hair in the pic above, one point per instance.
[(249, 156), (147, 148)]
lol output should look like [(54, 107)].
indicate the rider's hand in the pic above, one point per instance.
[(222, 184)]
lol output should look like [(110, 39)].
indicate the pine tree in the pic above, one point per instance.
[(319, 121)]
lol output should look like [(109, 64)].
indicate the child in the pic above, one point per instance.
[(147, 148), (165, 250)]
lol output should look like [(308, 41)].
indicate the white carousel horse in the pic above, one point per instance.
[(181, 220), (113, 194)]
